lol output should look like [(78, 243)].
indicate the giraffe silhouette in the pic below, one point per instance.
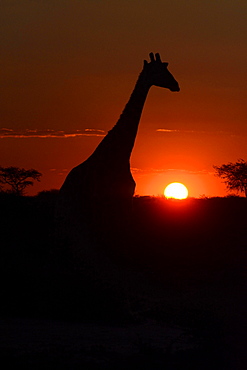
[(98, 192), (94, 234)]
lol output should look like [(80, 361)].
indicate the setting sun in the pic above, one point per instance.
[(176, 190)]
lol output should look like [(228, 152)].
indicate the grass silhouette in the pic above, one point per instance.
[(189, 254)]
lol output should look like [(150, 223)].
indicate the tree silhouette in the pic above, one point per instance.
[(18, 178), (234, 175)]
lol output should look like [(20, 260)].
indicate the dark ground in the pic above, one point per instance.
[(190, 312)]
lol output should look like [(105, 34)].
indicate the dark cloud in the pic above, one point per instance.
[(48, 133)]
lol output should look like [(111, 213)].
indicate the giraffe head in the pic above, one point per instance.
[(157, 73)]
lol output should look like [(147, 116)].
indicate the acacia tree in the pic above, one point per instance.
[(234, 175), (17, 178)]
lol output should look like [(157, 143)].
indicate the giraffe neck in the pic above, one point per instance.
[(132, 112), (119, 141)]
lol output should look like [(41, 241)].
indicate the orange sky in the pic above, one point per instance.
[(68, 69)]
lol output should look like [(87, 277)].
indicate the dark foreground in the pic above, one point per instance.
[(180, 303)]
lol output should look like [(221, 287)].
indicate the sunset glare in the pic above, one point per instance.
[(176, 190)]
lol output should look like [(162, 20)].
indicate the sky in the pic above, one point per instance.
[(68, 68)]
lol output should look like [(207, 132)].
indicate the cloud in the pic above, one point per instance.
[(191, 172), (141, 171), (219, 132), (166, 130), (48, 133)]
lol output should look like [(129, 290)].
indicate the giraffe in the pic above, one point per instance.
[(99, 191), (95, 201)]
